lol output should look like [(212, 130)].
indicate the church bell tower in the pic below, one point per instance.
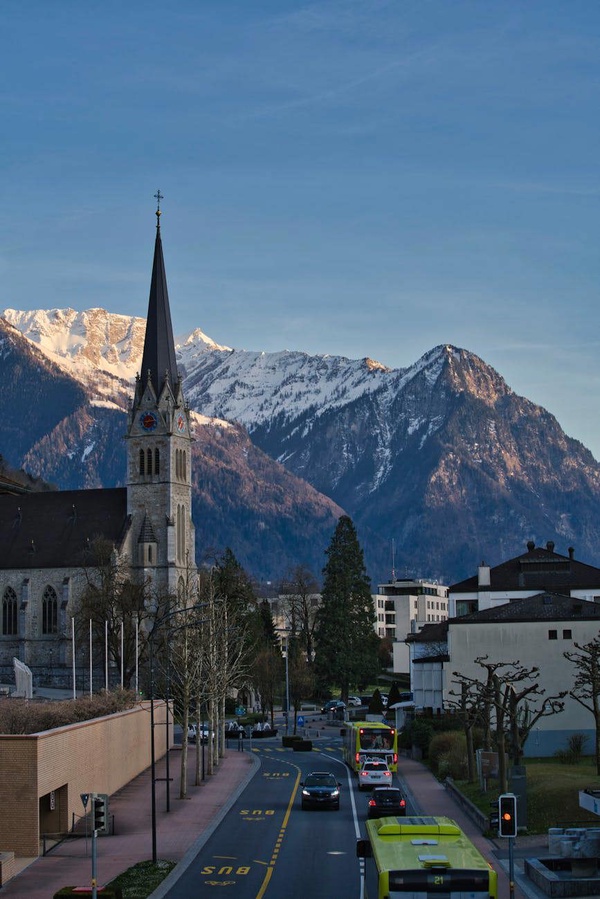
[(159, 482)]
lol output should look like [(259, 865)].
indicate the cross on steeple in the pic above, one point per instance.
[(158, 196)]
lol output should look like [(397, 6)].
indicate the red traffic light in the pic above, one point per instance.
[(507, 815)]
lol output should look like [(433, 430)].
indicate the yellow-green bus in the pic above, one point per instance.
[(424, 858), (370, 740)]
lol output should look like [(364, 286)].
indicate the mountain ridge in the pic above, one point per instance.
[(441, 457)]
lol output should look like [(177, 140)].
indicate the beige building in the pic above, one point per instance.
[(403, 607), (534, 632)]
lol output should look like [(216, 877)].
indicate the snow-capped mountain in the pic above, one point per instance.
[(441, 457)]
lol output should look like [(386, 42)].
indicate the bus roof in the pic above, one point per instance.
[(421, 842)]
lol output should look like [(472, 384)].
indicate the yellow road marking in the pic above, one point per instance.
[(279, 840)]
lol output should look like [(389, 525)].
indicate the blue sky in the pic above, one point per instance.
[(355, 177)]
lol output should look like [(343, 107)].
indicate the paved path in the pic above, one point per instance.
[(180, 832)]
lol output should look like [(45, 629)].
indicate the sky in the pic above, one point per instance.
[(350, 177)]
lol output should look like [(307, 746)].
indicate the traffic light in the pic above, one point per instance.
[(507, 815), (100, 813)]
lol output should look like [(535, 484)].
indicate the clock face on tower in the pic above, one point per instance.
[(148, 420), (180, 423)]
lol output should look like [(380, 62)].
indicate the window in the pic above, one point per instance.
[(50, 611), (156, 461), (567, 634), (149, 461), (9, 613), (553, 635), (142, 462)]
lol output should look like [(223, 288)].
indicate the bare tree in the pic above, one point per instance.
[(586, 689), (513, 714), (300, 600)]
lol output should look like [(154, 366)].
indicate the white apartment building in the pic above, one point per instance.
[(403, 607)]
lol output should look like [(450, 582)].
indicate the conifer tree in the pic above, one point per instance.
[(345, 639)]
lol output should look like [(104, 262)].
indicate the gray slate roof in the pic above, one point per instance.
[(540, 568), (542, 607), (55, 529)]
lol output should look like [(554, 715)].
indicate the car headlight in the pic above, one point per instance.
[(335, 793), (306, 792)]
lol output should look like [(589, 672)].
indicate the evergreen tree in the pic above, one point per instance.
[(345, 639)]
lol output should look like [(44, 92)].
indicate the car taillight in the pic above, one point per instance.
[(402, 803), (357, 758), (395, 758), (372, 802)]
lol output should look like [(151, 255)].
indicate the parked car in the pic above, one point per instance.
[(333, 706), (355, 701), (193, 734), (320, 789), (385, 801), (374, 773)]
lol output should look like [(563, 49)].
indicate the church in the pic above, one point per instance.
[(47, 539)]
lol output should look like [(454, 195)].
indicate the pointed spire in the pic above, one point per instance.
[(159, 361)]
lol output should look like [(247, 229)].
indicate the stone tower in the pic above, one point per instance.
[(159, 482)]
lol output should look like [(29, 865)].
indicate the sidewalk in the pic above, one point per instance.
[(188, 821)]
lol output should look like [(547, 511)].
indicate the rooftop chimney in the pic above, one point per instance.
[(530, 546), (483, 575), (571, 552), (550, 546)]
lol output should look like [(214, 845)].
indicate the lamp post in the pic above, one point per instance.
[(287, 683)]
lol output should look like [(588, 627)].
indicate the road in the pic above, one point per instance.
[(268, 847)]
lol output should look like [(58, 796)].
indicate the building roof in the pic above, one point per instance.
[(541, 607), (436, 632), (540, 568), (55, 529), (158, 361)]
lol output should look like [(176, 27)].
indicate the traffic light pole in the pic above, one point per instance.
[(94, 855), (511, 867)]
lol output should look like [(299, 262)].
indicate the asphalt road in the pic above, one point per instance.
[(267, 846)]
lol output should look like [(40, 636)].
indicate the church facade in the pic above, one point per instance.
[(47, 539)]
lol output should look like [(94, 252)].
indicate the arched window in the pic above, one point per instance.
[(149, 461), (50, 611), (156, 461), (150, 555), (184, 466), (9, 613), (142, 462)]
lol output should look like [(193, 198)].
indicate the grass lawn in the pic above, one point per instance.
[(552, 793), (140, 881)]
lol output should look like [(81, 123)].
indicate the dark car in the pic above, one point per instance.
[(320, 789), (334, 707), (386, 801)]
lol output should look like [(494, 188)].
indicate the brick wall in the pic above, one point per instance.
[(98, 756)]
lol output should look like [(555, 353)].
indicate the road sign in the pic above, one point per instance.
[(240, 711), (85, 798), (300, 720)]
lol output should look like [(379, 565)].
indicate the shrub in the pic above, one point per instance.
[(453, 762), (30, 716), (441, 745), (573, 754)]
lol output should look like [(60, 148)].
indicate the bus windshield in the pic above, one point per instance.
[(376, 738)]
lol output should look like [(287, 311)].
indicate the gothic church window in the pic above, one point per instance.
[(9, 612), (149, 461), (50, 611), (142, 462), (156, 461)]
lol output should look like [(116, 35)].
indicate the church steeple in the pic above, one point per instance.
[(159, 482), (159, 361)]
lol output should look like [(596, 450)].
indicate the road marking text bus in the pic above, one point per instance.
[(424, 858)]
